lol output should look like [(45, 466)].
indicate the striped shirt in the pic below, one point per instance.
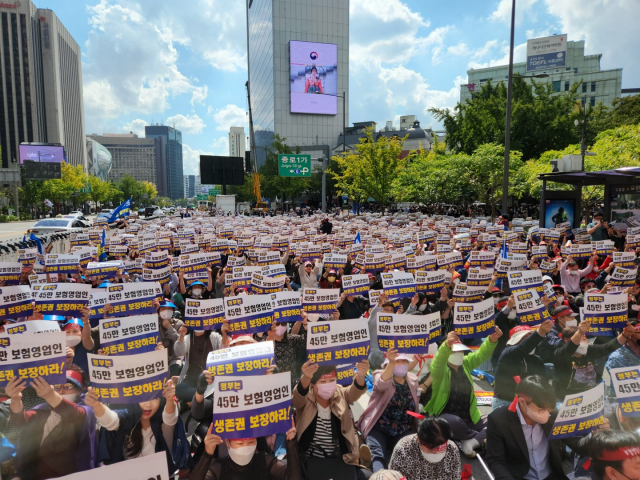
[(324, 443)]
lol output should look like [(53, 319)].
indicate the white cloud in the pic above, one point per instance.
[(485, 49), (199, 95), (460, 49), (523, 8), (136, 126), (221, 145), (436, 56), (187, 124), (230, 116), (191, 159), (519, 55)]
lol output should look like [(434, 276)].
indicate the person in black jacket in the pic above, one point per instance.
[(563, 317), (506, 319), (522, 427), (574, 362), (326, 226), (518, 359)]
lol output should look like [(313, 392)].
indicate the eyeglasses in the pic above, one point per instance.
[(66, 386)]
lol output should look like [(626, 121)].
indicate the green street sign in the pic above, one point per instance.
[(214, 191), (203, 197), (294, 165)]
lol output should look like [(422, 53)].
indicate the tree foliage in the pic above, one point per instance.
[(271, 183)]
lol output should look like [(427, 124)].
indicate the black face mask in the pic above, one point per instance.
[(431, 298)]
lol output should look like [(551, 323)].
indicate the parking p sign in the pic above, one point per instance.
[(294, 165)]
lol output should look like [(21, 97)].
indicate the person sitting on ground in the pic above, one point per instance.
[(428, 455), (615, 455)]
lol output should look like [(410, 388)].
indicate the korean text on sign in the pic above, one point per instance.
[(580, 413), (472, 320), (32, 355), (249, 313), (626, 384), (15, 302), (204, 314), (133, 298), (242, 360), (61, 298), (129, 335), (531, 310), (335, 343), (287, 306), (407, 333)]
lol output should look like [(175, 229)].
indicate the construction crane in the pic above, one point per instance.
[(260, 205)]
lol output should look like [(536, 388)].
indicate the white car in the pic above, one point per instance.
[(158, 213)]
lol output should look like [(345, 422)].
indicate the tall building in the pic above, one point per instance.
[(185, 185), (142, 158), (190, 186), (237, 142), (288, 77), (172, 139), (41, 76), (597, 85)]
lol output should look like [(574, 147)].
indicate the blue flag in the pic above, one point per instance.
[(102, 254), (505, 249), (38, 243), (357, 239), (121, 210)]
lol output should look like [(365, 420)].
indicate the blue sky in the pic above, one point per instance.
[(184, 62)]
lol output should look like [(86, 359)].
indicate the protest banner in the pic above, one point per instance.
[(193, 263), (59, 263), (626, 384), (603, 247), (32, 326), (398, 285), (102, 270), (606, 309), (236, 261), (374, 297), (118, 251), (128, 378), (261, 284), (479, 277), (466, 294), (269, 258), (241, 360), (334, 343), (483, 398), (96, 304), (345, 374), (539, 252), (518, 247), (130, 335), (10, 273), (406, 333), (287, 306), (273, 271), (547, 267), (65, 299), (316, 300), (595, 330), (525, 280), (623, 277), (248, 313), (425, 263), (513, 263), (531, 310), (430, 282), (334, 261), (581, 250), (204, 314), (310, 253), (580, 413), (32, 355), (447, 261), (151, 467), (251, 407), (157, 268), (482, 259), (133, 298), (240, 276), (633, 241), (185, 248), (27, 256), (85, 254), (374, 262), (625, 259), (355, 285), (396, 261), (471, 320)]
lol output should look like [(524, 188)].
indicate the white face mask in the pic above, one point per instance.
[(244, 292), (512, 315), (73, 341), (166, 314), (571, 323), (560, 298), (422, 308), (71, 397), (433, 457), (456, 359), (196, 292), (582, 348), (573, 273), (242, 455)]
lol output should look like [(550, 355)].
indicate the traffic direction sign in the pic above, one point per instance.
[(294, 165)]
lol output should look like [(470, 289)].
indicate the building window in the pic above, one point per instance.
[(593, 86), (575, 70), (566, 86), (593, 101), (584, 87), (556, 85)]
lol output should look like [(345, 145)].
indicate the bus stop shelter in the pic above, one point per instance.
[(621, 194)]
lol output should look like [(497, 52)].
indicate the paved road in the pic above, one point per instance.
[(15, 230)]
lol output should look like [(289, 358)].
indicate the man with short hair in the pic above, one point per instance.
[(599, 229), (615, 454)]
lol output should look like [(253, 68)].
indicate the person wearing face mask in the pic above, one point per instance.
[(348, 307), (575, 371), (245, 461), (168, 328), (376, 357), (429, 454), (326, 433), (330, 280), (81, 338), (586, 284), (386, 421), (563, 317), (139, 429), (196, 289), (57, 437), (519, 359), (614, 454), (627, 356), (290, 349), (518, 444), (570, 274), (506, 319), (452, 395)]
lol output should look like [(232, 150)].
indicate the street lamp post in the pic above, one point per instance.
[(583, 148), (507, 130)]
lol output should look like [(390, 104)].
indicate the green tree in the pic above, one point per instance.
[(271, 183), (540, 118), (243, 193), (623, 111), (371, 171), (129, 186)]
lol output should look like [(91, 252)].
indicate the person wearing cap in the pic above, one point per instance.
[(518, 444), (330, 279), (599, 229), (430, 454), (563, 317), (326, 227), (81, 337), (196, 289), (614, 454), (547, 280), (385, 420), (506, 319), (518, 360), (57, 437), (585, 285), (452, 395), (350, 307), (326, 431), (168, 328), (309, 274), (574, 362)]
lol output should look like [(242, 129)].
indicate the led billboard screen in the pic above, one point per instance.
[(314, 77), (42, 153)]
